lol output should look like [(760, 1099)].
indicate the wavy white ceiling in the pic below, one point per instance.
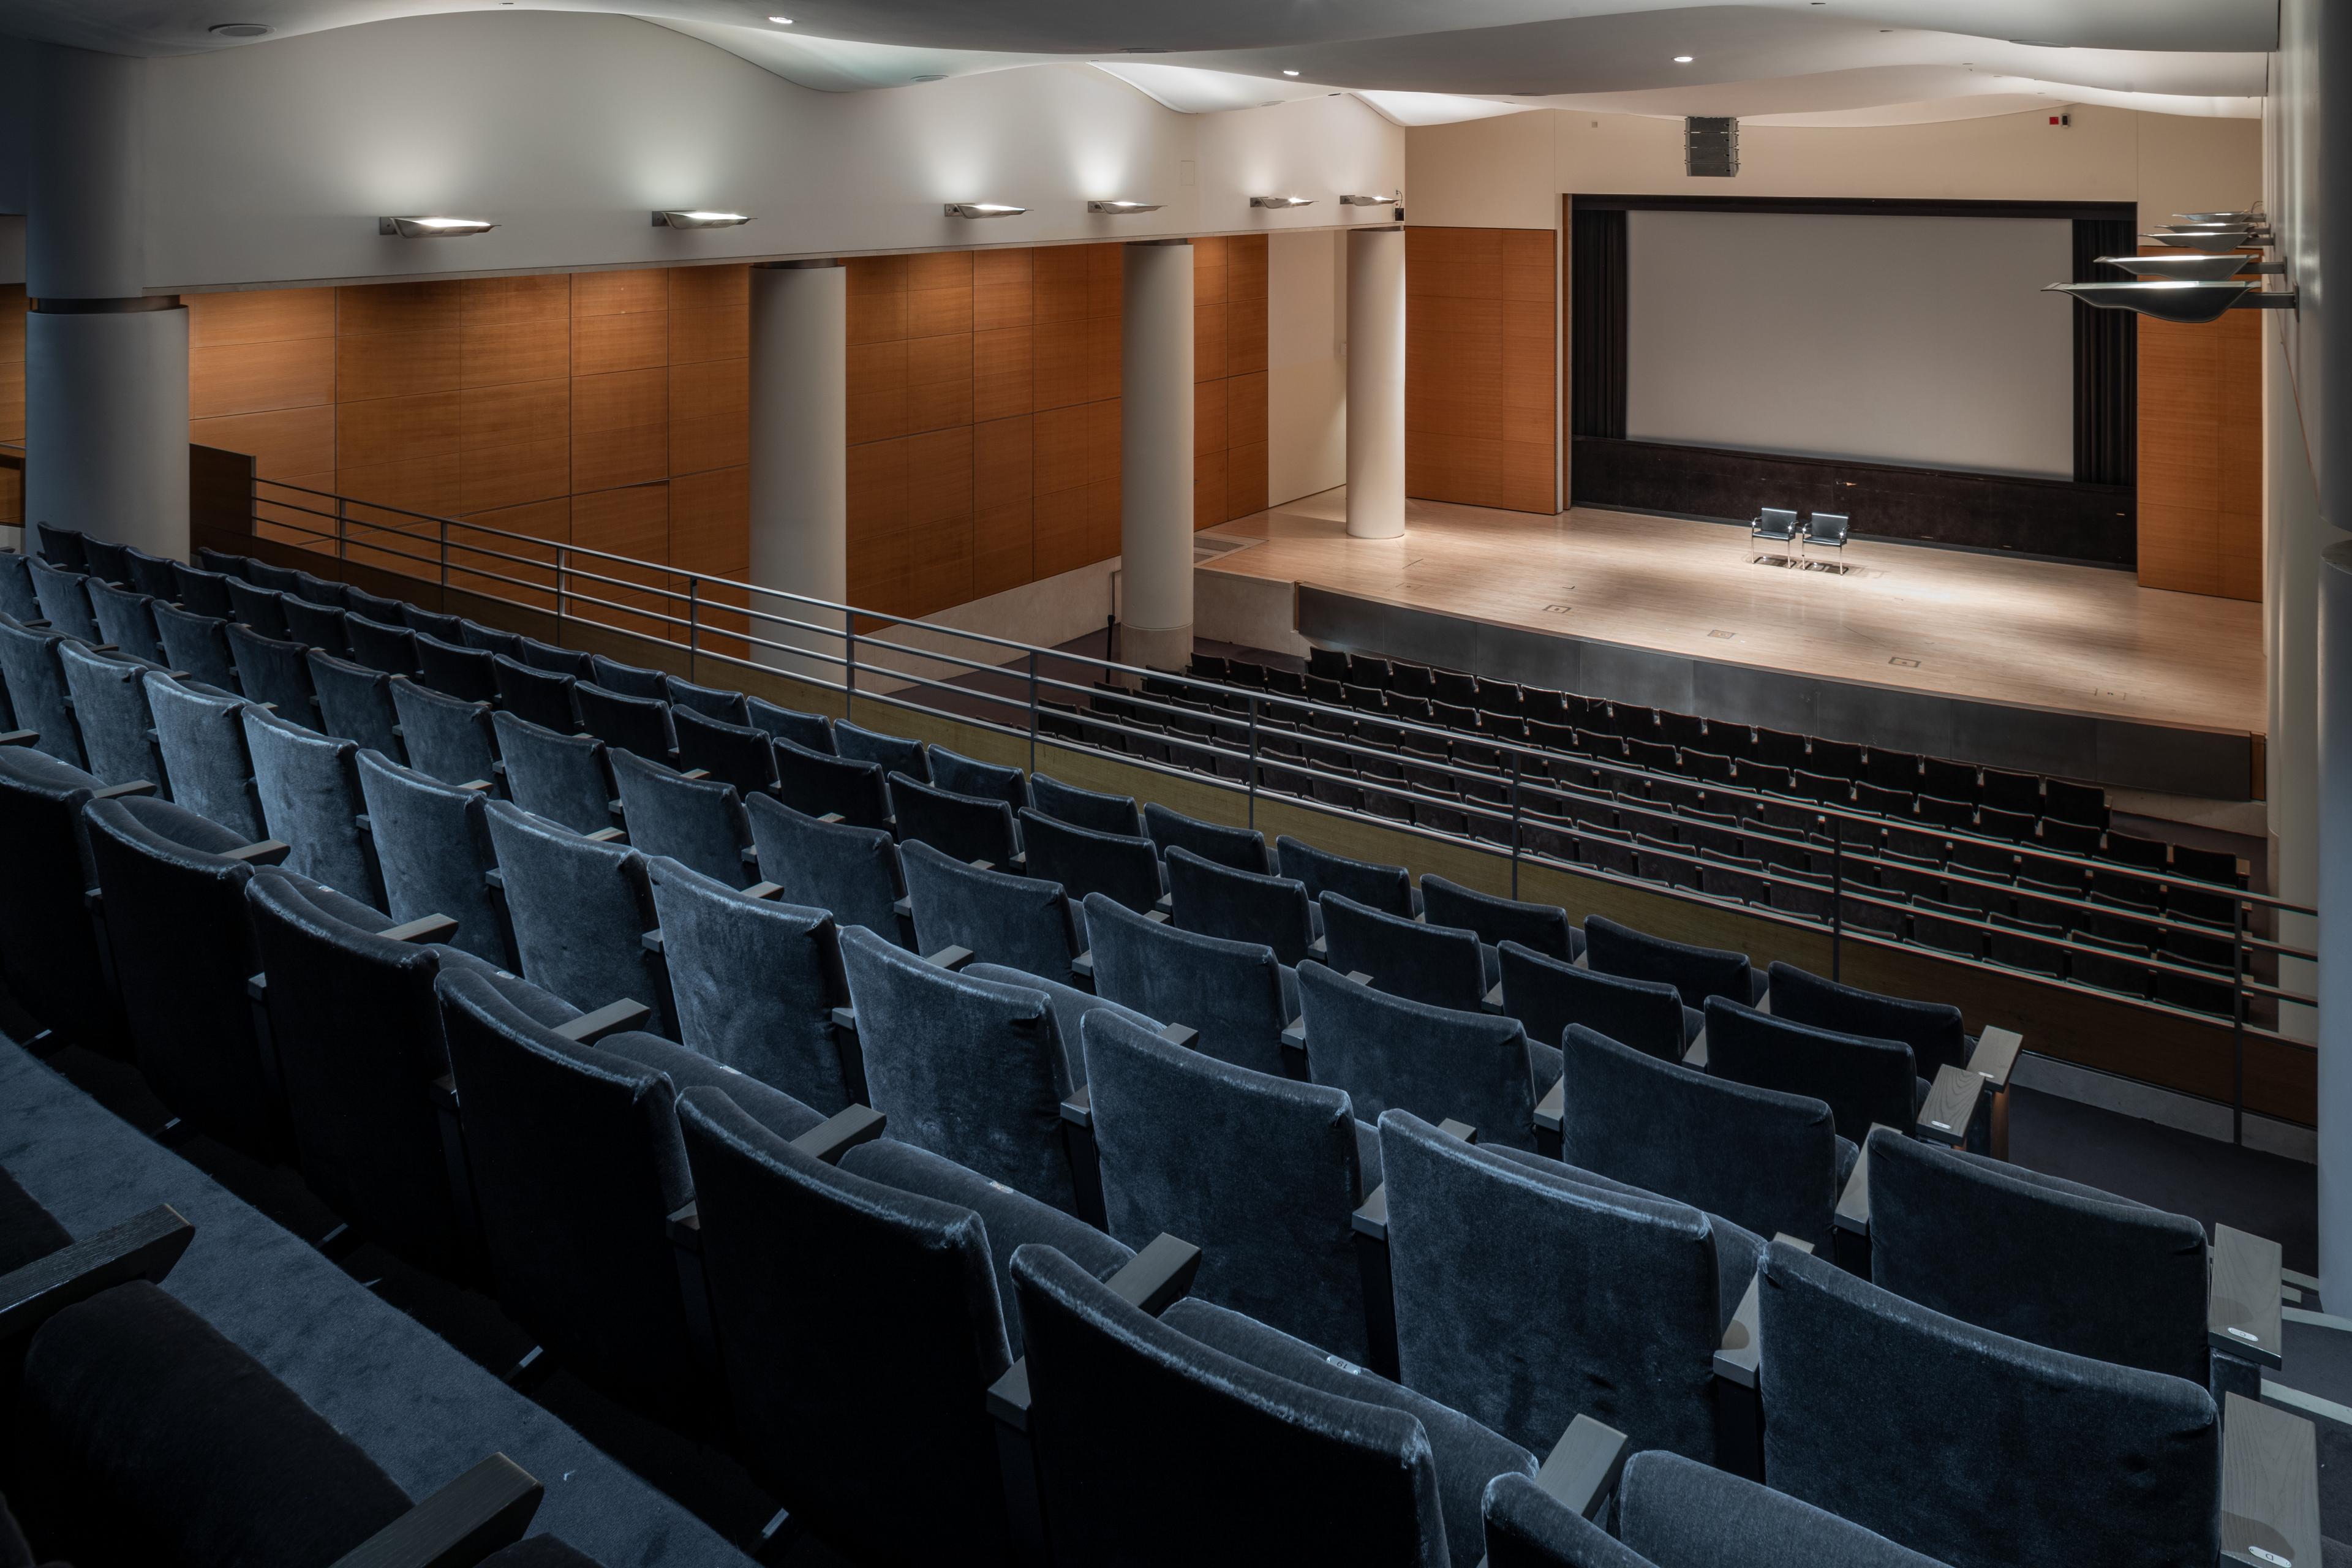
[(1824, 62)]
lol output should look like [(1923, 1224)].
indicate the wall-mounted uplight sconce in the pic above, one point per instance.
[(699, 217), (1122, 209), (983, 209), (1393, 201), (2249, 217), (432, 227), (2191, 267), (2185, 302), (2212, 242), (1282, 202)]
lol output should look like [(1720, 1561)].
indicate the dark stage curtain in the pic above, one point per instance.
[(2106, 362), (1597, 323)]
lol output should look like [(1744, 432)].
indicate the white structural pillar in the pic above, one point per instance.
[(2335, 945), (106, 367), (1155, 456), (1376, 383), (799, 456)]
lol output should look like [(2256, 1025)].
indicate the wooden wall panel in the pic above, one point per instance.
[(12, 399), (1229, 444), (1480, 345), (2201, 456)]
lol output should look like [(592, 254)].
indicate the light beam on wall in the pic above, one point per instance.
[(432, 227)]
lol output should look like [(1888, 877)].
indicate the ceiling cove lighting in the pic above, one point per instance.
[(1290, 73), (1683, 59), (699, 217), (2188, 266), (1122, 209), (432, 227), (1282, 202), (2179, 300), (781, 21), (1396, 200), (983, 209)]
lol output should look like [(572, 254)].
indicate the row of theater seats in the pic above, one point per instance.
[(1411, 1176)]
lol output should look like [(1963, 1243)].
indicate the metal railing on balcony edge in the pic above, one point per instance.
[(1248, 741)]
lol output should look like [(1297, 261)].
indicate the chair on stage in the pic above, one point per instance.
[(1776, 525), (1826, 530)]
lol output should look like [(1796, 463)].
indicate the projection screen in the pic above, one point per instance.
[(1919, 341)]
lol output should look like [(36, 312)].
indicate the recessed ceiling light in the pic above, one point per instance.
[(432, 227), (1682, 59), (1290, 73), (239, 30)]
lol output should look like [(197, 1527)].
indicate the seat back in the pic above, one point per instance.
[(149, 575), (1232, 993), (755, 982), (446, 738), (183, 948), (967, 826), (104, 561), (2131, 1477), (894, 753), (274, 671), (313, 589), (60, 546), (850, 871), (357, 601), (1242, 848), (36, 679), (699, 823), (1432, 963), (1766, 1161), (1541, 928), (257, 607), (48, 946), (453, 669), (1432, 1061), (968, 775), (1388, 888), (1020, 923), (1698, 972), (1240, 906), (559, 776), (1933, 1030), (1132, 1419), (1826, 528), (729, 752), (314, 625), (202, 739), (557, 660), (433, 850), (723, 703), (1776, 522), (2039, 1258), (813, 731), (628, 679), (473, 634), (1864, 1081), (819, 785), (577, 1166), (17, 599), (542, 696), (1547, 995), (109, 702), (1528, 1294), (269, 574), (1085, 808), (970, 1069), (125, 619), (357, 1040), (355, 704), (198, 645), (381, 646), (1124, 870), (309, 789), (579, 910), (64, 601), (639, 724), (1262, 1174)]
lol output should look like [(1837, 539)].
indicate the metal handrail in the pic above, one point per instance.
[(1219, 734)]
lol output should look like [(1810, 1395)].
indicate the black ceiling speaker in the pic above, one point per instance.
[(1711, 146)]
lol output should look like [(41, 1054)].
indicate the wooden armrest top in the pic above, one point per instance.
[(1952, 1102), (143, 1248), (2270, 1486), (1549, 1109), (1151, 1282), (841, 1132), (1742, 1351), (1695, 1054), (1493, 1001), (606, 835), (611, 1018), (1853, 1214), (486, 1509), (265, 852), (1996, 1055), (1078, 1110), (1582, 1468), (950, 957), (424, 928), (1180, 1035), (2242, 1303)]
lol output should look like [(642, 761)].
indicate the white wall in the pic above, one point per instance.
[(1307, 364), (270, 163)]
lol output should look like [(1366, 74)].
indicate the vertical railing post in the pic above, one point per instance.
[(849, 664), (1033, 710), (562, 585), (342, 530), (1515, 824), (1253, 760), (442, 527), (2238, 1022), (693, 627), (1837, 898)]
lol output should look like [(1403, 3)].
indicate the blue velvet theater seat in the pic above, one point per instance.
[(64, 601), (1540, 928), (892, 754), (355, 704), (756, 981), (1021, 922), (1194, 1437), (275, 671), (966, 826), (625, 723), (1240, 906), (35, 681), (969, 776), (1242, 848), (18, 602), (558, 774), (811, 731), (1233, 993), (1769, 1162), (1388, 888), (457, 670), (579, 910), (450, 629), (1265, 1172), (1085, 808), (109, 705), (449, 738), (127, 620), (1933, 1030), (1547, 995), (1529, 1292), (1084, 861), (1698, 972), (1070, 1007), (314, 625), (723, 703), (1864, 1081), (628, 679), (852, 871), (542, 696), (309, 789), (699, 823), (1436, 1062), (202, 737), (49, 953), (732, 753), (2082, 1461), (381, 646), (556, 660), (577, 1166), (1442, 966), (896, 1263), (818, 784), (198, 645), (973, 1069), (174, 902), (153, 575), (434, 852)]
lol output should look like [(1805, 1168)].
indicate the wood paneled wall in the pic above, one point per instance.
[(1481, 422), (12, 399), (1229, 374), (2201, 456)]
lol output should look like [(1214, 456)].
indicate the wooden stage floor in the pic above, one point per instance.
[(2078, 639)]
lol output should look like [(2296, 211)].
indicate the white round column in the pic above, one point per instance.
[(800, 455), (1376, 383), (1155, 521), (2334, 945)]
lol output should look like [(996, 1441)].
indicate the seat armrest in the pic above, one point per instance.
[(950, 957), (841, 1132), (1695, 1054), (112, 791), (1996, 1055), (268, 852), (2242, 1304), (764, 890), (483, 1510), (19, 737), (424, 928), (1182, 1034), (1320, 949), (845, 1018), (1952, 1102), (1550, 1109), (1493, 1001), (606, 835), (2270, 1486), (1853, 1214), (685, 1227), (143, 1248), (610, 1019), (1358, 977), (982, 865), (696, 774), (443, 1092), (831, 817), (1294, 1037), (495, 879), (1742, 1351), (1462, 1130), (1083, 966), (476, 784), (651, 941), (1370, 1217), (1151, 1282), (1583, 1467), (1078, 1110), (1157, 917), (1165, 904), (904, 909)]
